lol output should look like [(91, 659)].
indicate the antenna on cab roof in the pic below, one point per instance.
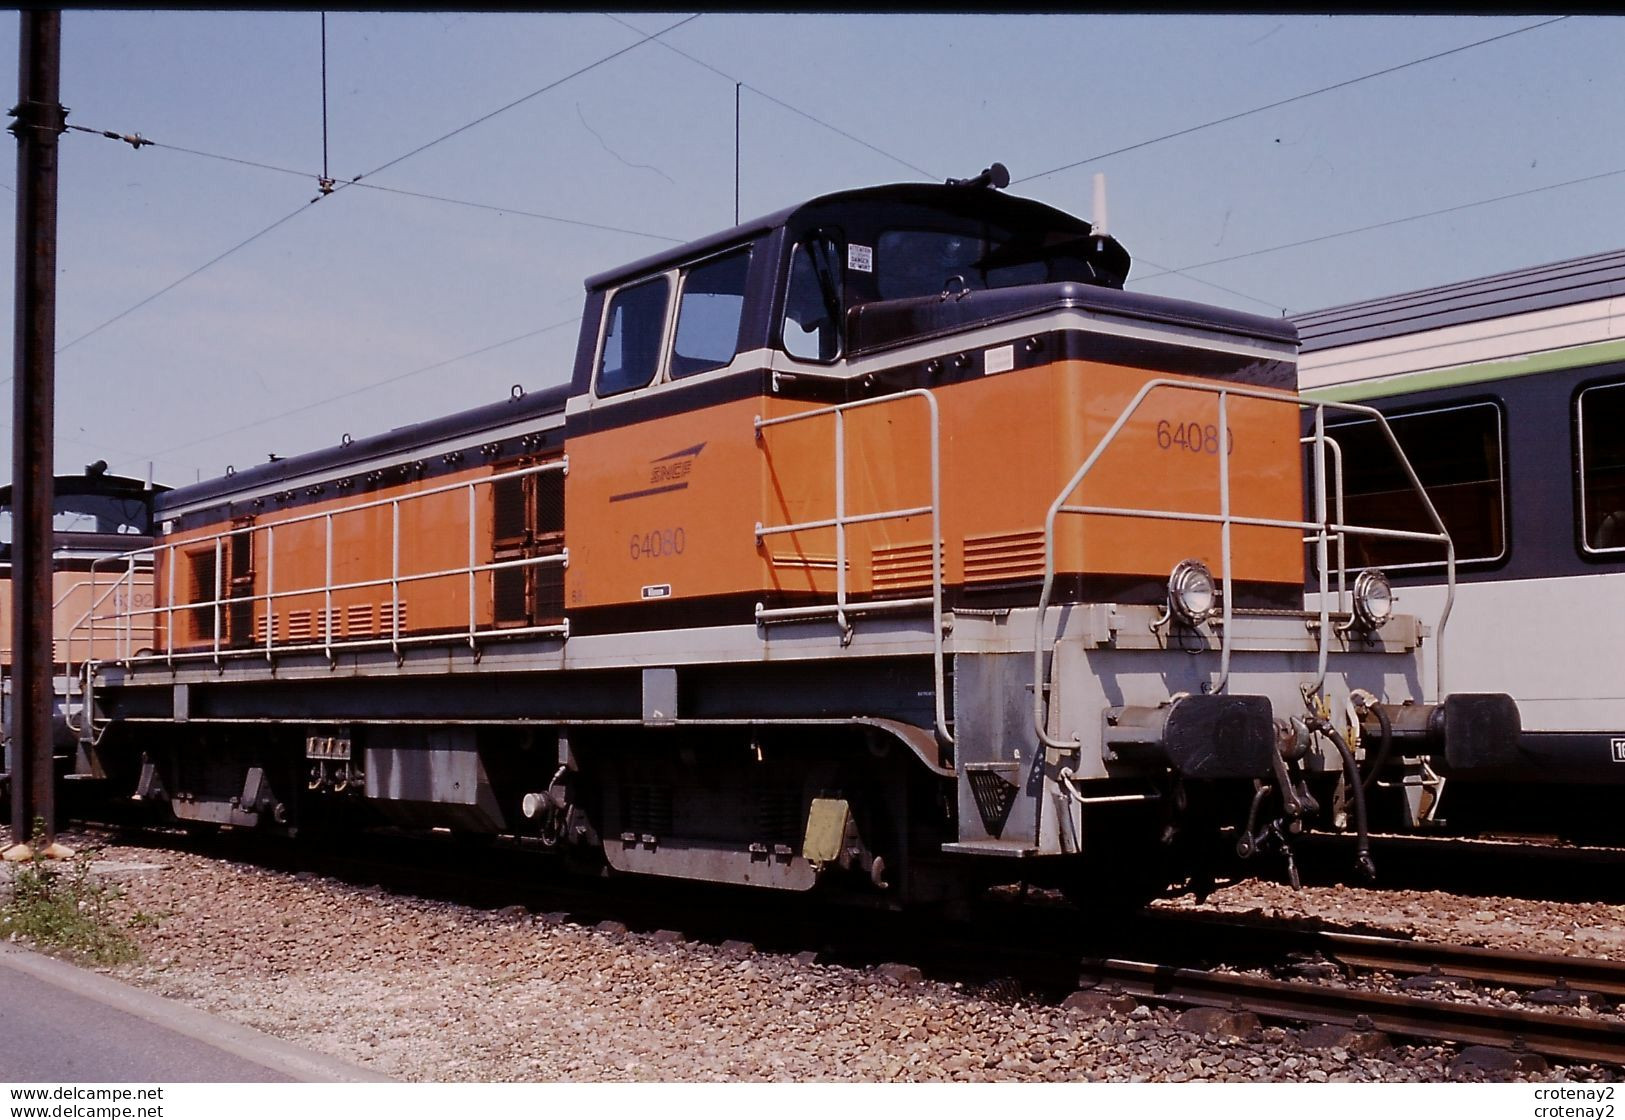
[(996, 177)]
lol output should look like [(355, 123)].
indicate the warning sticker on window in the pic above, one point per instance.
[(860, 258)]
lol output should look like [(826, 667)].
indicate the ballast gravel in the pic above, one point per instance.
[(421, 990)]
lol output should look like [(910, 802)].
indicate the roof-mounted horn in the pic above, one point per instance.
[(996, 177)]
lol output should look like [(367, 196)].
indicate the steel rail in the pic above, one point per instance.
[(1513, 969), (1556, 1035)]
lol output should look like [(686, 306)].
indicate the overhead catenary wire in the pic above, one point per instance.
[(421, 148), (521, 212), (138, 141), (738, 85), (1164, 270), (173, 284), (781, 104), (1385, 224), (1289, 100), (357, 391), (300, 173)]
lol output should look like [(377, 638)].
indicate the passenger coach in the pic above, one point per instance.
[(1508, 396)]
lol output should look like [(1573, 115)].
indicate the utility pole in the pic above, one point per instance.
[(40, 120)]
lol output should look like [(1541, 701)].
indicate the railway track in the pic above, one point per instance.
[(1182, 958), (1197, 960), (1553, 1034), (1444, 963)]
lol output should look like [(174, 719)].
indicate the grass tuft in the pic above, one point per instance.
[(63, 910)]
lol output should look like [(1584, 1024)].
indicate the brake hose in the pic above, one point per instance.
[(1362, 857)]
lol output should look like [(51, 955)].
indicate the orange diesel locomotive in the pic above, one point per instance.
[(884, 542), (95, 515)]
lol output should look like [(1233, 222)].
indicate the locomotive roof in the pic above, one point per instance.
[(356, 452), (1560, 284), (92, 482), (972, 201)]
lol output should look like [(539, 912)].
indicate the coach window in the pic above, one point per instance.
[(632, 336), (812, 302), (709, 313), (1457, 454), (1601, 417)]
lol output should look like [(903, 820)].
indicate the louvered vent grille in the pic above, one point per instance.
[(647, 809), (1004, 557), (299, 626), (388, 614), (905, 565), (778, 814), (358, 619)]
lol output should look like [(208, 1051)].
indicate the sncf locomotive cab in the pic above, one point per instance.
[(885, 541), (95, 516), (892, 356)]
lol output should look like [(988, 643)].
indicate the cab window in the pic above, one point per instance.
[(709, 314), (812, 303), (633, 328), (1600, 418)]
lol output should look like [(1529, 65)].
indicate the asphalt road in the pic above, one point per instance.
[(62, 1024)]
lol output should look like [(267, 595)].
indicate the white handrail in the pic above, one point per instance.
[(327, 640), (1322, 528), (842, 609)]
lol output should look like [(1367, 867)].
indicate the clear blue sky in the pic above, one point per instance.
[(330, 322)]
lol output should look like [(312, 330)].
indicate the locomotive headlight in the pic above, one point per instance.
[(1191, 592), (1373, 599)]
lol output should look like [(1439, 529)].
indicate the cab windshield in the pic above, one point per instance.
[(923, 262), (91, 513)]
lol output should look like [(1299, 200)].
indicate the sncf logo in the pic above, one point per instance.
[(667, 473), (670, 468)]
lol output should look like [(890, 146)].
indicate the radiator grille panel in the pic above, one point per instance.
[(1001, 557), (358, 619), (904, 565)]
